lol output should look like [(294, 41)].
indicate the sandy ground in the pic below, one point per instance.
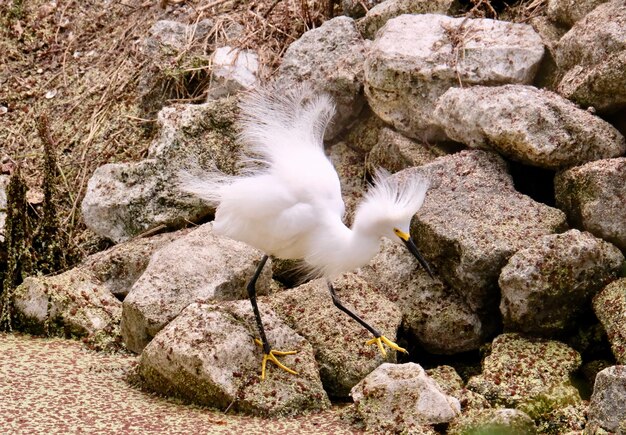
[(56, 386)]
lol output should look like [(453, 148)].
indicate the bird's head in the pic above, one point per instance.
[(388, 207)]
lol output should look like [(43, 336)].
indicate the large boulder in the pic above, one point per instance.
[(207, 355), (531, 375), (402, 398), (126, 199), (376, 17), (337, 339), (416, 58), (610, 308), (526, 124), (473, 220), (592, 56), (433, 313), (607, 407), (548, 285), (198, 266), (331, 58), (592, 196)]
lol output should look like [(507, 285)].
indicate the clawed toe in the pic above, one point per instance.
[(384, 340), (271, 356)]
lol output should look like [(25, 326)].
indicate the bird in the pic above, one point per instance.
[(286, 199)]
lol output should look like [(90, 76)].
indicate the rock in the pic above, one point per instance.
[(232, 70), (338, 340), (610, 308), (592, 56), (119, 267), (395, 152), (126, 199), (593, 38), (570, 419), (548, 74), (72, 303), (592, 196), (601, 86), (356, 8), (376, 17), (452, 384), (398, 398), (331, 58), (169, 49), (607, 408), (473, 220), (207, 356), (531, 375), (198, 266), (568, 12), (533, 126), (493, 421), (434, 314), (547, 286), (174, 35), (363, 134), (416, 58), (351, 170)]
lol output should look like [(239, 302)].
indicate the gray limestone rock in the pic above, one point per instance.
[(607, 407), (416, 58), (433, 313), (207, 355), (593, 197), (198, 266), (376, 17), (127, 199), (610, 308), (531, 375), (402, 398), (331, 58), (351, 171), (73, 303), (473, 220), (232, 70), (591, 59), (533, 126), (119, 267), (337, 339), (395, 152), (548, 285), (568, 12)]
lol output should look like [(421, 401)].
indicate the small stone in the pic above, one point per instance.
[(232, 70), (607, 407), (402, 398), (610, 308)]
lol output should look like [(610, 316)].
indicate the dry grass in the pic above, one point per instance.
[(81, 63)]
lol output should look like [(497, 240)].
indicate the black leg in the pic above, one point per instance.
[(339, 305), (255, 307)]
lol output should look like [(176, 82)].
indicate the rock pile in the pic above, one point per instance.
[(417, 92)]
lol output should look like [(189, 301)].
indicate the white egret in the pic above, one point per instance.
[(287, 201)]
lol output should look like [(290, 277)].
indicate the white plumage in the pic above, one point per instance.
[(287, 201)]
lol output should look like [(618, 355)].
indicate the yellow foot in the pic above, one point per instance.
[(272, 357), (384, 340)]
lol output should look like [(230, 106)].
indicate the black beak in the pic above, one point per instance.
[(410, 245)]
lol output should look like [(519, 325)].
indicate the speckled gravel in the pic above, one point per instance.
[(56, 386)]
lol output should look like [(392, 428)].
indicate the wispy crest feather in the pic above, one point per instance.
[(274, 118)]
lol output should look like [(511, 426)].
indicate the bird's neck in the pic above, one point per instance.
[(351, 249)]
